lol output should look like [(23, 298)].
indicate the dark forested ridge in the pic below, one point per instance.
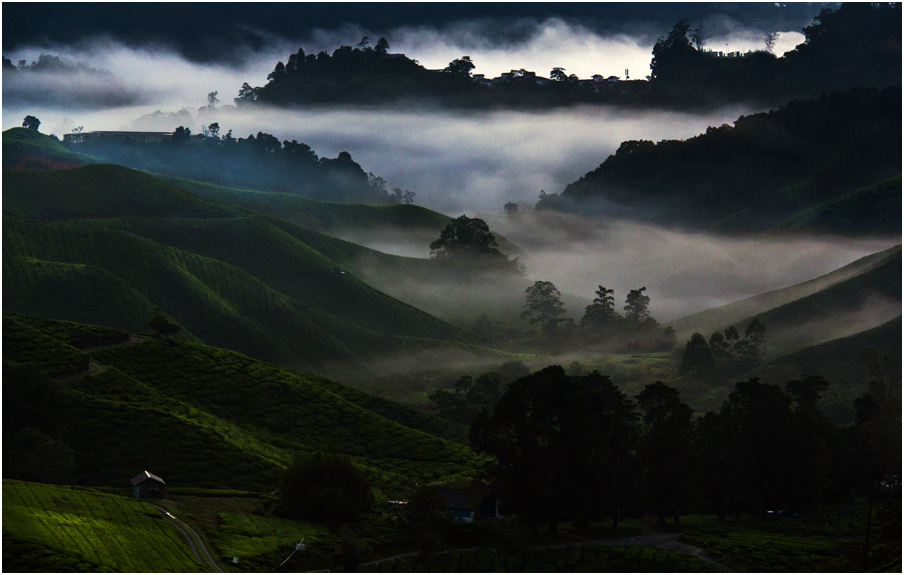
[(767, 167), (846, 47)]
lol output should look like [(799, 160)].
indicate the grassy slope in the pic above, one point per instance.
[(357, 222), (839, 361), (845, 308), (59, 528), (29, 149), (98, 191), (206, 417), (710, 320), (875, 210), (286, 297)]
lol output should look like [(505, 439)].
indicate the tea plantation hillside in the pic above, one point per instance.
[(98, 191), (312, 316), (719, 318), (206, 417), (840, 361), (400, 223), (869, 299), (28, 149), (875, 210), (51, 528)]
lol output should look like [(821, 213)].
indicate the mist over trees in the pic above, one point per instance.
[(258, 162), (469, 241)]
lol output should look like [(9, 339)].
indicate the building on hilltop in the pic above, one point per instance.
[(137, 137)]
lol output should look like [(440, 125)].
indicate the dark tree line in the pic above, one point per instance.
[(725, 352), (636, 330), (257, 162), (857, 44), (576, 448)]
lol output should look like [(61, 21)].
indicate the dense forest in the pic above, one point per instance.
[(779, 162)]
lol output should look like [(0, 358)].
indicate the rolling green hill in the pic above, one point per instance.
[(98, 191), (871, 211), (27, 149), (719, 318), (364, 224), (327, 319), (207, 417), (846, 308), (840, 362), (50, 528)]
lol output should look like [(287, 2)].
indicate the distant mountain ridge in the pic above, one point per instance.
[(748, 178)]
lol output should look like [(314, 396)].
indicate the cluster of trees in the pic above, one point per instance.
[(636, 330), (857, 44), (702, 357), (370, 74), (575, 448), (826, 147), (854, 45), (324, 487), (470, 395), (469, 241), (257, 162)]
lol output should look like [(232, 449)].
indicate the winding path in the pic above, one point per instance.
[(180, 524)]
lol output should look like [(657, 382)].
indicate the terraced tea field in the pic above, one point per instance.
[(61, 528)]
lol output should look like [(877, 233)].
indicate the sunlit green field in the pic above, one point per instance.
[(61, 528)]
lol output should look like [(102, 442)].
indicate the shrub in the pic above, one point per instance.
[(325, 488)]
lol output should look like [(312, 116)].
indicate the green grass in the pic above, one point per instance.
[(777, 546), (721, 317), (211, 418), (28, 149), (875, 210), (840, 362), (111, 277), (569, 559), (61, 528), (98, 191)]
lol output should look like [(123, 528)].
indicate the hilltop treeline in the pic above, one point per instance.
[(575, 448), (854, 45), (826, 147), (258, 162), (857, 44)]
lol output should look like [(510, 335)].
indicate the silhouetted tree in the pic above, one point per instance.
[(461, 67), (636, 306), (470, 239), (323, 487), (544, 306), (511, 210), (212, 100), (31, 122), (698, 357), (756, 335), (563, 447), (666, 449), (382, 46), (601, 312), (180, 136)]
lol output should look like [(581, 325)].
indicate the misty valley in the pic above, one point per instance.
[(443, 317)]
